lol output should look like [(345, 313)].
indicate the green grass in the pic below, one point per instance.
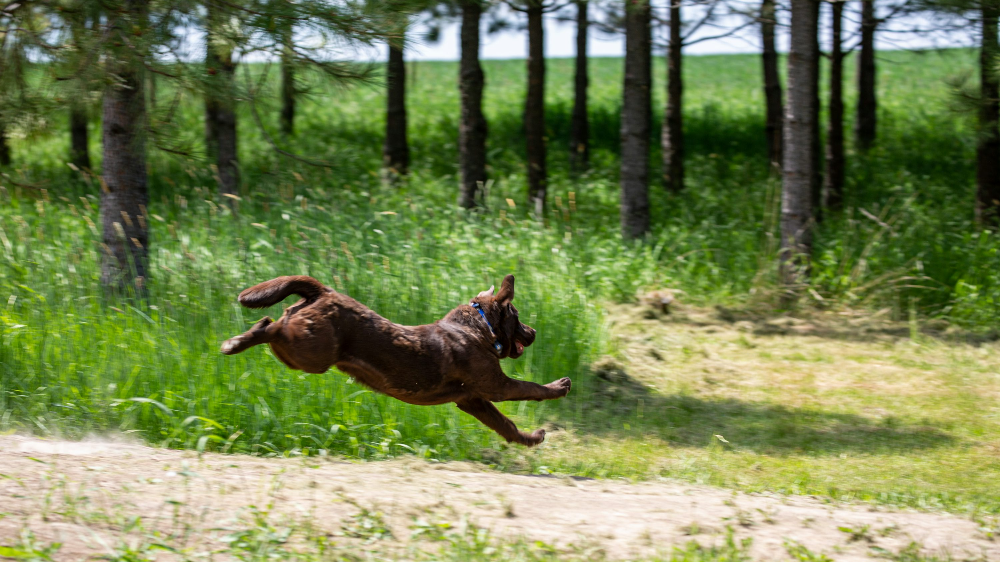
[(72, 363)]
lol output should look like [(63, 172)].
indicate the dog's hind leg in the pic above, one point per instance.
[(261, 332), (487, 413)]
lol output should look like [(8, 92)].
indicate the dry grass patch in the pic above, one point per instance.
[(837, 404)]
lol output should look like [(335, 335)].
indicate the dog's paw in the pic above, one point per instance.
[(530, 440), (230, 346), (562, 386)]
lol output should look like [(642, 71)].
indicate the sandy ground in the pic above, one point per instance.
[(84, 494)]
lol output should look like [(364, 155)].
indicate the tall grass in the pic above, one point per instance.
[(72, 362)]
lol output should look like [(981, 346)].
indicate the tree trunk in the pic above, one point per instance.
[(211, 96), (396, 150), (672, 140), (772, 84), (635, 127), (287, 86), (123, 193), (472, 128), (864, 126), (797, 172), (220, 104), (227, 161), (816, 185), (579, 143), (988, 149), (152, 91), (4, 148), (534, 109), (79, 154), (833, 188)]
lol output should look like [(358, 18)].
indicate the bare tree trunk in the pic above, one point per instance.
[(123, 194), (816, 185), (396, 150), (635, 131), (472, 128), (212, 64), (227, 161), (79, 154), (220, 105), (4, 147), (579, 143), (833, 187), (534, 109), (865, 125), (287, 86), (797, 172), (152, 91), (988, 149), (772, 84), (672, 139)]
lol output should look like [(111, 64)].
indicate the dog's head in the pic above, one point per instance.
[(510, 332)]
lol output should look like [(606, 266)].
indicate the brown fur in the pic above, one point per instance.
[(451, 360)]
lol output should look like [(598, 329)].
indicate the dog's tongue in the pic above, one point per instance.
[(519, 346)]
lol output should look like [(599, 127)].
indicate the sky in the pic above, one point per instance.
[(560, 37), (560, 40)]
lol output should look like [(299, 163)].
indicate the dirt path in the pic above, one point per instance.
[(85, 494)]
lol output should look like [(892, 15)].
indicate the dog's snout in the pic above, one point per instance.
[(528, 333)]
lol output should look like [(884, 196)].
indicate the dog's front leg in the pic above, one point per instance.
[(486, 412), (507, 389)]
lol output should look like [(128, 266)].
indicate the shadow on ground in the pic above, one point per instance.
[(862, 327), (613, 399)]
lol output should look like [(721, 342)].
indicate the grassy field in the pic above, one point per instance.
[(819, 419)]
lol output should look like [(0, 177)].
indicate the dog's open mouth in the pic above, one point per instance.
[(519, 346)]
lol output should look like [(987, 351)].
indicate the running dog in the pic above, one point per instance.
[(456, 359)]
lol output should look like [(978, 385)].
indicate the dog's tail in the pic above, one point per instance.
[(276, 290)]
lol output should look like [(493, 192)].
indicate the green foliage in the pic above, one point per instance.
[(859, 533), (28, 549), (73, 363), (261, 540), (912, 552), (368, 525), (801, 553)]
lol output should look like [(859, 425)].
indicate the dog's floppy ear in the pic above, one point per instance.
[(506, 293), (488, 293)]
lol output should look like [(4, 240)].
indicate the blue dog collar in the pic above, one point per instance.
[(496, 343)]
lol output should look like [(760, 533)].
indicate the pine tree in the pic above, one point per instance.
[(799, 158), (672, 139), (772, 83), (220, 98), (833, 188), (579, 144), (396, 149), (472, 128), (867, 109), (635, 128)]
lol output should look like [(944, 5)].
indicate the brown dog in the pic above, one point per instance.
[(456, 359)]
